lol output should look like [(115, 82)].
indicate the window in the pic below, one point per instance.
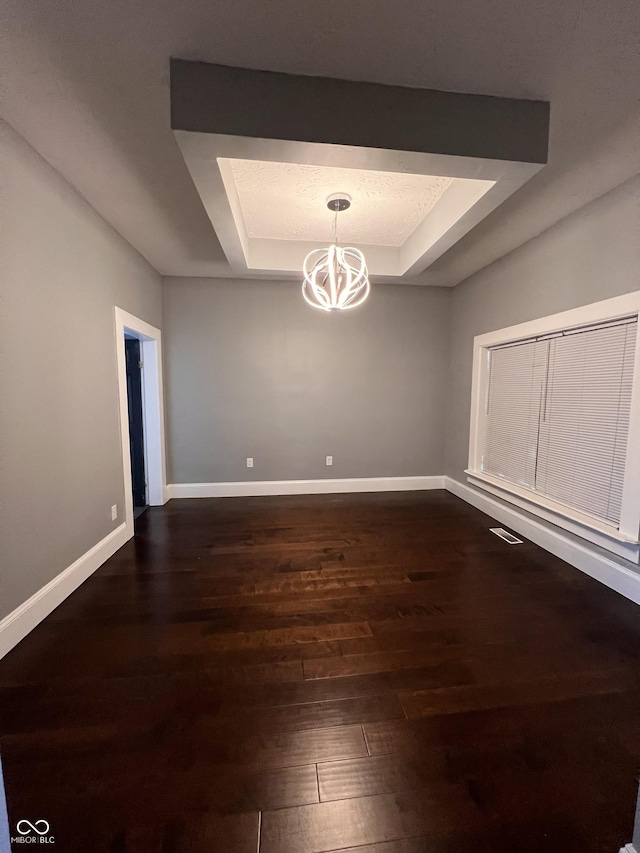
[(556, 420)]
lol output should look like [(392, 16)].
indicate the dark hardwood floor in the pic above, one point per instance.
[(341, 672)]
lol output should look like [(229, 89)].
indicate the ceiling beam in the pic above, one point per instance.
[(220, 99)]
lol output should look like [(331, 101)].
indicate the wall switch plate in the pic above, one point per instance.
[(249, 461), (114, 512), (329, 460)]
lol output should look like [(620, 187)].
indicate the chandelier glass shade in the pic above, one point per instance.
[(335, 278)]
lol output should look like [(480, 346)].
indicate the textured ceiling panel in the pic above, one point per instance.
[(287, 201)]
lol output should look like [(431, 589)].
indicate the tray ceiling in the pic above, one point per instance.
[(287, 201), (265, 150), (87, 85)]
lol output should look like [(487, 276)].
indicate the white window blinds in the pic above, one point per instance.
[(557, 415), (513, 412)]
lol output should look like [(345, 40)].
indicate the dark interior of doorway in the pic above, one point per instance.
[(136, 427)]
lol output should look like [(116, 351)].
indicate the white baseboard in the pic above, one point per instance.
[(582, 556), (24, 618), (254, 488)]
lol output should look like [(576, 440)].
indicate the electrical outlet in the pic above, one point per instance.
[(249, 461), (114, 512), (329, 460)]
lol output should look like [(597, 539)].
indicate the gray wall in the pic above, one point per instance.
[(591, 255), (63, 270), (252, 370)]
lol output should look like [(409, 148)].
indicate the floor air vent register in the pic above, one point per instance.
[(504, 534)]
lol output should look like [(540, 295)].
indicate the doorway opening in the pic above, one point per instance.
[(138, 347), (133, 360)]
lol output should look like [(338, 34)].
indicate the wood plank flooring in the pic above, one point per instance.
[(362, 673)]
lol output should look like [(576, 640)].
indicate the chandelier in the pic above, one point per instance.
[(335, 278)]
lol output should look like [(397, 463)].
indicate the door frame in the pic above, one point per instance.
[(152, 411)]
